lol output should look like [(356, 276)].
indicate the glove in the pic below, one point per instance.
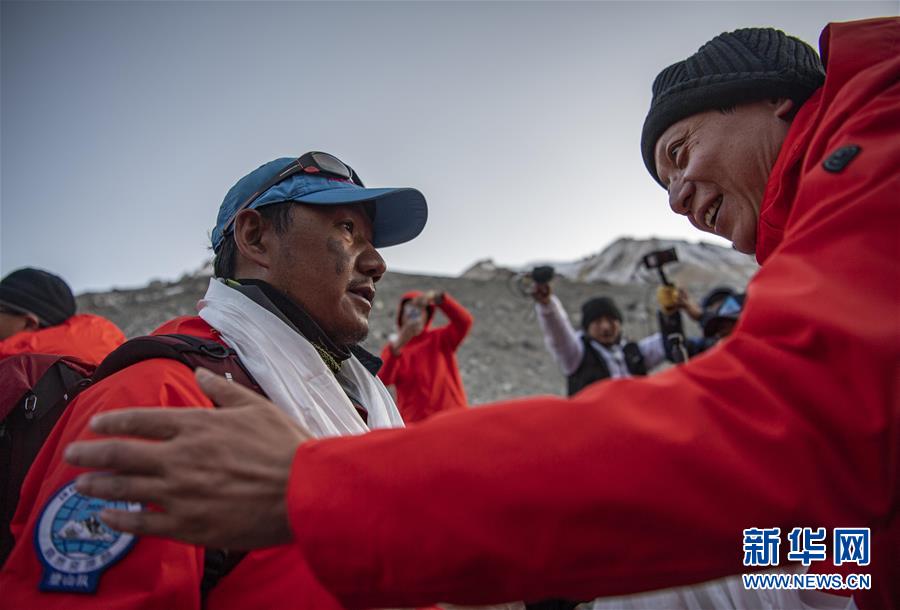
[(668, 299)]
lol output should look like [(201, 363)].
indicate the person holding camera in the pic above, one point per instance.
[(717, 315), (420, 362), (597, 351)]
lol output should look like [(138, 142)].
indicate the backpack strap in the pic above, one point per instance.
[(191, 351), (217, 564), (21, 373), (36, 390)]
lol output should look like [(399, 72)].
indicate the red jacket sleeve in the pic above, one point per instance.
[(647, 483), (460, 322), (154, 573), (389, 365)]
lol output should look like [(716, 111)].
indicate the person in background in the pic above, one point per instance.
[(420, 361), (716, 315), (711, 301), (597, 351), (721, 316), (38, 315)]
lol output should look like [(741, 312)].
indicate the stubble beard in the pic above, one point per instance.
[(352, 335)]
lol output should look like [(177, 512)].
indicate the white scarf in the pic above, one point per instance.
[(291, 372)]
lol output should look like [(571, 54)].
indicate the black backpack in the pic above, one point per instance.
[(36, 389)]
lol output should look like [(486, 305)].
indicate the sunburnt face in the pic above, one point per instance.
[(327, 264), (716, 165)]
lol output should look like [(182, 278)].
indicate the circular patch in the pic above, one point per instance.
[(74, 545)]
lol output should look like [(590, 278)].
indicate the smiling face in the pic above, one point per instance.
[(323, 260), (716, 165)]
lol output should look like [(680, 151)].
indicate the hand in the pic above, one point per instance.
[(218, 476), (409, 329), (667, 296), (426, 299), (541, 293), (688, 304)]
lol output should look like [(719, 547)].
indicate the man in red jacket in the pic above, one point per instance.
[(634, 484), (295, 329), (37, 315), (420, 361)]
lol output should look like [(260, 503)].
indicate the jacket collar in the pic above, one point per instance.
[(275, 301), (840, 47), (784, 179)]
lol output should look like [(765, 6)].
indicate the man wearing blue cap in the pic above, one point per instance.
[(296, 267)]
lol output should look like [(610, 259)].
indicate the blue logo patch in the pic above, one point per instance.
[(74, 545)]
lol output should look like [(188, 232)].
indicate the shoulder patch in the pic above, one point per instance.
[(74, 545)]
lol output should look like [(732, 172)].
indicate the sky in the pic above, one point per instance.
[(123, 124)]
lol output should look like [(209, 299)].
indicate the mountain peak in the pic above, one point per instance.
[(621, 262)]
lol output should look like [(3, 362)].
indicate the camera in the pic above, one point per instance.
[(411, 313), (542, 274), (524, 283), (657, 259)]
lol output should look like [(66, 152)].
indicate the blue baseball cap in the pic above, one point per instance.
[(400, 213)]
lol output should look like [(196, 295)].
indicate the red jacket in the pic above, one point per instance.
[(85, 336), (155, 573), (641, 484), (425, 372)]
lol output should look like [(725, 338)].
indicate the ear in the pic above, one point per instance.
[(784, 108), (31, 322), (252, 236)]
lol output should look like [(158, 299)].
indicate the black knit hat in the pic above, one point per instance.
[(40, 293), (733, 68), (599, 307), (719, 293)]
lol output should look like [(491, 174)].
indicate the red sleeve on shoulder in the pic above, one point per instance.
[(154, 572)]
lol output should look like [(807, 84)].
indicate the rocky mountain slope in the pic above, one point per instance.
[(504, 355), (621, 263)]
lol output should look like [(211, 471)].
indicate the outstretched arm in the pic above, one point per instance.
[(560, 338), (460, 320)]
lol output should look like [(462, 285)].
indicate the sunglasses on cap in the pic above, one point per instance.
[(314, 163)]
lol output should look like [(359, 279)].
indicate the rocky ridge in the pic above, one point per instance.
[(504, 355)]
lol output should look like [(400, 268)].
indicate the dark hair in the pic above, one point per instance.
[(279, 214)]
